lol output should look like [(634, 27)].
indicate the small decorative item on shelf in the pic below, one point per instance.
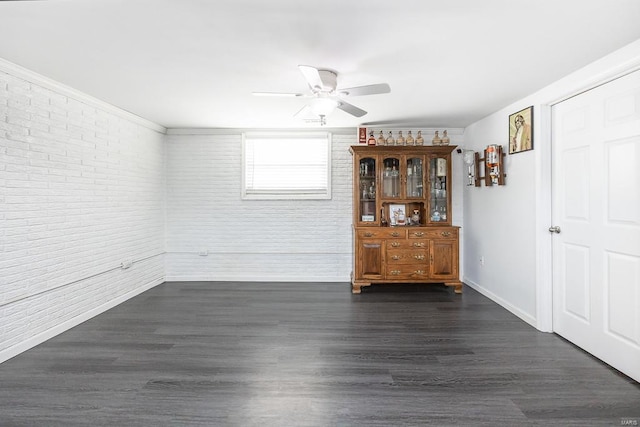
[(362, 135), (397, 214), (410, 140), (390, 140), (436, 139), (383, 220), (419, 138), (380, 140), (415, 217), (372, 139), (400, 140), (445, 138)]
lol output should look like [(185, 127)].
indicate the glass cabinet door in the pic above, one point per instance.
[(391, 178), (415, 178), (367, 190), (438, 187)]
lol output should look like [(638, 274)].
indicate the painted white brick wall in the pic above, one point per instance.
[(81, 190), (274, 240)]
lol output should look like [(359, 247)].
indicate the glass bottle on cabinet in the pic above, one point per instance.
[(367, 190), (438, 187)]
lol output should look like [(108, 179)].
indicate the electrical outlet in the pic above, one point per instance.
[(482, 261)]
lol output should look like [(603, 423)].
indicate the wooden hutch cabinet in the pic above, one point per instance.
[(402, 216)]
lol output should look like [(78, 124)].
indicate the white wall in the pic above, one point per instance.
[(276, 240), (81, 191), (507, 225)]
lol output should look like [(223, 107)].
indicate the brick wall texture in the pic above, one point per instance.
[(82, 190)]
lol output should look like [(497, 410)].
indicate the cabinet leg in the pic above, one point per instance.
[(357, 287), (457, 287)]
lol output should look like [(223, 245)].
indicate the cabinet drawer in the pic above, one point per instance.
[(418, 257), (406, 271), (436, 233), (378, 233), (408, 244)]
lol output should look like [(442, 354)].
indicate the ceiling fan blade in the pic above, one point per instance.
[(277, 94), (312, 76), (365, 90), (351, 109)]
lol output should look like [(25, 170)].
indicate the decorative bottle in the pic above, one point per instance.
[(436, 139), (390, 140), (445, 138), (410, 140), (372, 139)]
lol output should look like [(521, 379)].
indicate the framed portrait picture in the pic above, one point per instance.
[(521, 131), (397, 214)]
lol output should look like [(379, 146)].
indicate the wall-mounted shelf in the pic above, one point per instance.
[(493, 169)]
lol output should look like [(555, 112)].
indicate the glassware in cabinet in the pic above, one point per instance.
[(414, 177), (367, 190), (438, 188), (391, 178)]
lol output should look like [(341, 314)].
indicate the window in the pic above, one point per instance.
[(286, 165)]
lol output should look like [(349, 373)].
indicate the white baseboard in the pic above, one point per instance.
[(65, 326), (236, 278), (493, 297)]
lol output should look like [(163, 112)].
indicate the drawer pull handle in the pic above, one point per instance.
[(445, 233), (418, 245), (395, 244), (418, 234), (395, 272), (396, 257), (419, 272), (395, 234), (368, 234), (419, 257)]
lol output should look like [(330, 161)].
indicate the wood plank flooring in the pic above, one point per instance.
[(310, 354)]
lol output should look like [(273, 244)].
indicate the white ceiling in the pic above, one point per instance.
[(195, 63)]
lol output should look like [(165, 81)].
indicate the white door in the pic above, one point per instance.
[(596, 205)]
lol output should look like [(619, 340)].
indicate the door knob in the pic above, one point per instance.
[(555, 229)]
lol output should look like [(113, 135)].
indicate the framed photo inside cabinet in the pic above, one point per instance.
[(521, 131), (397, 214)]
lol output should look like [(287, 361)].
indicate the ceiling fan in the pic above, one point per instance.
[(325, 94)]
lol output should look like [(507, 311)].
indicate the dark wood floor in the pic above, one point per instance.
[(310, 354)]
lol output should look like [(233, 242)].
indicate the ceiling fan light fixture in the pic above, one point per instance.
[(323, 106)]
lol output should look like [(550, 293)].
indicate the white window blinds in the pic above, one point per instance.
[(287, 165)]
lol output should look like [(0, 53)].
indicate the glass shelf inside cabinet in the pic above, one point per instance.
[(391, 178), (414, 177), (367, 190), (438, 190)]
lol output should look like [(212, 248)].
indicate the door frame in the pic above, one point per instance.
[(543, 183)]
